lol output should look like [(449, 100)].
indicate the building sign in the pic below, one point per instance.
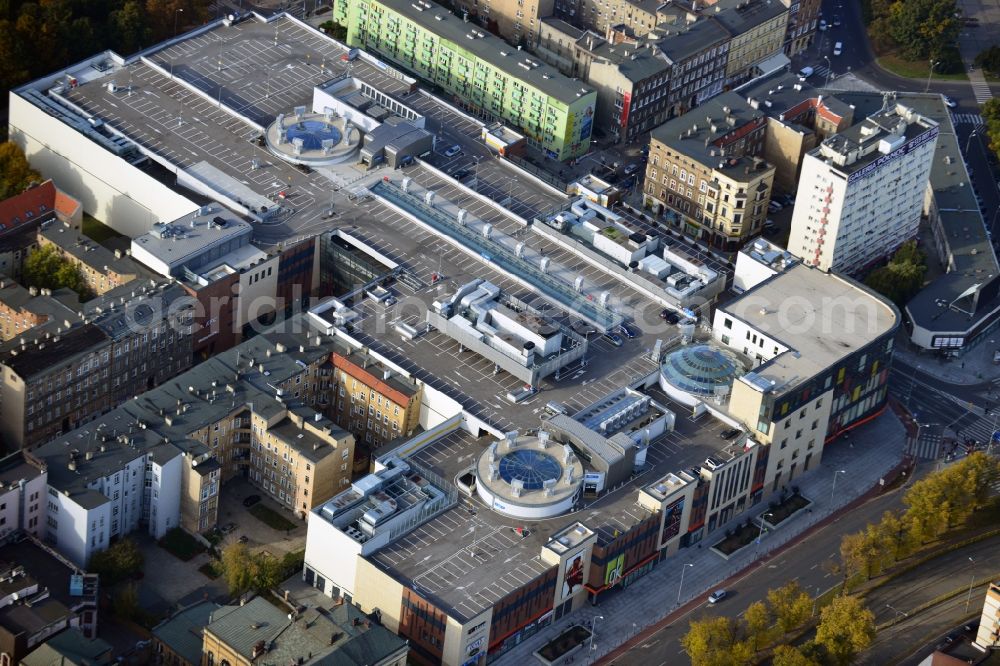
[(672, 521), (905, 149), (945, 342), (615, 569), (626, 103), (573, 575)]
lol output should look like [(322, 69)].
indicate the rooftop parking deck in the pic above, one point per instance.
[(470, 557)]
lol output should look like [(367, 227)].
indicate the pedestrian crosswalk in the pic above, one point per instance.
[(821, 72), (967, 118), (980, 88), (927, 446)]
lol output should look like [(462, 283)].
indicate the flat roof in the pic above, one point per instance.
[(469, 557), (179, 242), (544, 78), (821, 317)]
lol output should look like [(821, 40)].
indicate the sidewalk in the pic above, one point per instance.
[(874, 450), (973, 367)]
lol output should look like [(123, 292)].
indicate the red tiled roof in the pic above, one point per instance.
[(370, 380), (27, 206), (65, 204)]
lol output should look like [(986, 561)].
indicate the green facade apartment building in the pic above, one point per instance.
[(481, 72)]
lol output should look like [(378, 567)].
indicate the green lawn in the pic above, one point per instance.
[(271, 518), (181, 545), (96, 230), (915, 70)]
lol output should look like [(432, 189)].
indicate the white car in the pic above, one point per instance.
[(806, 72), (716, 596), (454, 150), (822, 25), (838, 48)]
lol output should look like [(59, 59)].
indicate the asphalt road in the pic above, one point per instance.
[(803, 562), (902, 595)]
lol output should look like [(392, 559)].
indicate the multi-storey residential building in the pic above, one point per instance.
[(44, 599), (158, 460), (23, 214), (23, 486), (516, 21), (22, 309), (988, 635), (480, 71), (702, 176), (102, 270), (644, 77), (813, 380), (341, 634), (373, 402), (803, 16), (62, 373), (861, 193)]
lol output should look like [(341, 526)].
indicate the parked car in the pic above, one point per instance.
[(227, 528), (670, 317), (770, 226), (950, 102), (836, 21), (716, 596), (823, 25), (251, 500), (452, 151), (806, 72), (838, 48), (774, 206), (461, 174), (630, 331), (631, 169), (730, 433), (614, 339), (406, 161)]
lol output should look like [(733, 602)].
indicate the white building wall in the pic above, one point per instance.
[(34, 505), (258, 291), (741, 337), (332, 555), (10, 509), (165, 507), (74, 531), (124, 197)]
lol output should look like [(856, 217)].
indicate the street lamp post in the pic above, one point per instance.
[(593, 630), (972, 582), (176, 12), (899, 612), (829, 69), (761, 532), (834, 488), (968, 141), (681, 586), (930, 72)]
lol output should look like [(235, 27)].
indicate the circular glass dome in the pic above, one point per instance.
[(700, 369), (532, 468), (312, 133)]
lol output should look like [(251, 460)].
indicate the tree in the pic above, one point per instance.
[(989, 59), (846, 628), (128, 28), (758, 623), (790, 605), (923, 29), (903, 276), (715, 641), (119, 561), (46, 268), (15, 172), (991, 116), (788, 655), (245, 570)]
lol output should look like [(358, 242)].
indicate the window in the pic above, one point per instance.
[(727, 322)]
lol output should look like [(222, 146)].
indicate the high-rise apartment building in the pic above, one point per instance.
[(480, 71), (861, 192)]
